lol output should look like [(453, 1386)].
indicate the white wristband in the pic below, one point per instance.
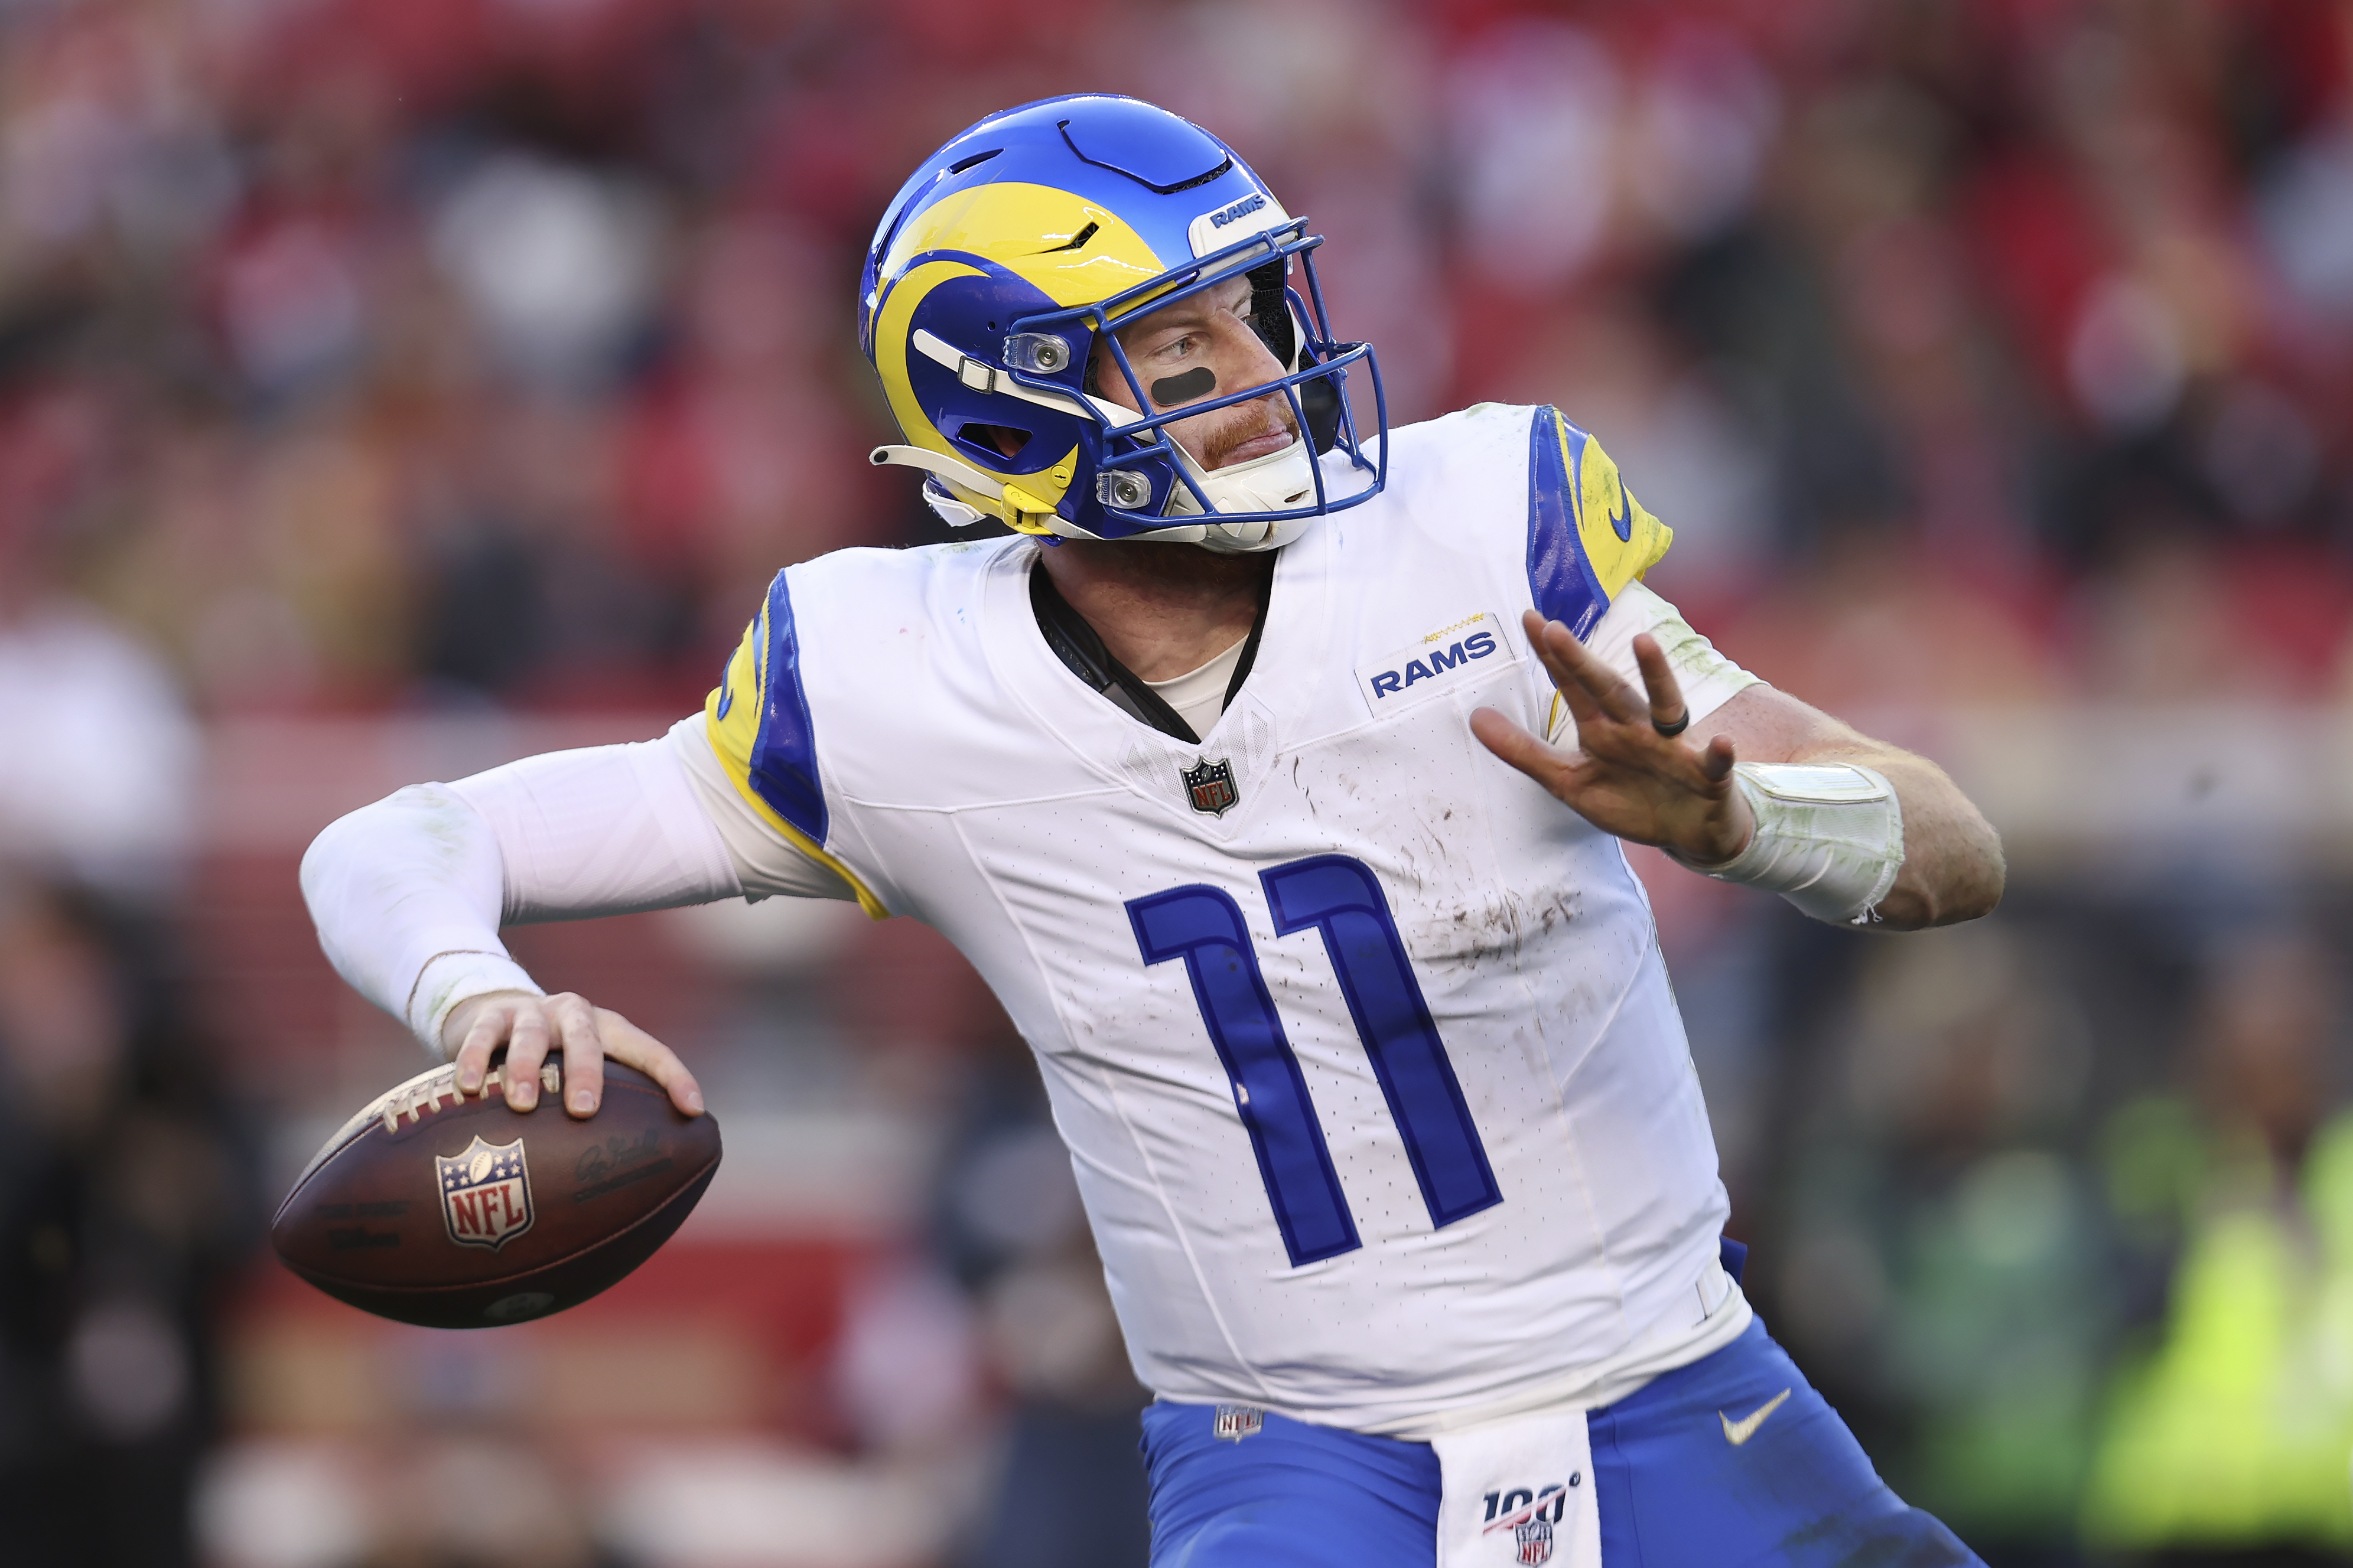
[(1830, 839), (449, 978)]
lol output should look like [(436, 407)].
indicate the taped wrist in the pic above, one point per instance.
[(1830, 838)]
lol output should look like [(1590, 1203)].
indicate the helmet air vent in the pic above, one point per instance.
[(1154, 147), (961, 164), (1078, 240), (993, 441)]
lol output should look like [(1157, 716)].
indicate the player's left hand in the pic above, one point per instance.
[(1625, 777)]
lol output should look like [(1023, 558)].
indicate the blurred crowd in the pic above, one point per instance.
[(360, 354), (423, 358)]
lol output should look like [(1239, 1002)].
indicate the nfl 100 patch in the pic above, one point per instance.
[(1235, 1422), (485, 1193), (1530, 1520), (1210, 785)]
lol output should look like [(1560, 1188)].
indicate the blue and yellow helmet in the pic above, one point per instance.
[(1033, 236)]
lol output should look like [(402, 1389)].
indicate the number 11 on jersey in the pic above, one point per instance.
[(1338, 896)]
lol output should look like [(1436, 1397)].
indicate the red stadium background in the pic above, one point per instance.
[(389, 388)]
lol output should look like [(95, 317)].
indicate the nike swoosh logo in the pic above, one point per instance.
[(1622, 523), (1738, 1432)]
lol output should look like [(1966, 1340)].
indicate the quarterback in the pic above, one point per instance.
[(1274, 773)]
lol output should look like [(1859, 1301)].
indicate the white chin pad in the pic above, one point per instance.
[(1240, 538), (1276, 482)]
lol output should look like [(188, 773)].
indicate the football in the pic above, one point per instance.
[(454, 1212)]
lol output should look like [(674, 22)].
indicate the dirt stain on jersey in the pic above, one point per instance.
[(1473, 933)]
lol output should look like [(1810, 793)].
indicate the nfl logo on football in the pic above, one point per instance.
[(485, 1193), (1534, 1536)]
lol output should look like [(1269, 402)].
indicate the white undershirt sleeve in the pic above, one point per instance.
[(408, 894), (408, 885), (603, 831), (1708, 679)]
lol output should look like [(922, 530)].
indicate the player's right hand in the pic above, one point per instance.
[(1627, 775), (530, 1027)]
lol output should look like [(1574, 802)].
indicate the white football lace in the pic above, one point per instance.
[(414, 1100)]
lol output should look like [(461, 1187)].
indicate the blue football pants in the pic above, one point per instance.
[(1673, 1490)]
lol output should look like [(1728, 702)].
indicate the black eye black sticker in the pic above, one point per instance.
[(1171, 390)]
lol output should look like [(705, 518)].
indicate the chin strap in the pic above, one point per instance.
[(1278, 481), (938, 463), (1022, 511)]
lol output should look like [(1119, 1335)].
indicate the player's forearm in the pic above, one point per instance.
[(408, 893), (1952, 869)]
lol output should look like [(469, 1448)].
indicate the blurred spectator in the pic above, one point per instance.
[(124, 1201), (2229, 1434), (1945, 1272), (1069, 1490), (98, 773), (519, 1508)]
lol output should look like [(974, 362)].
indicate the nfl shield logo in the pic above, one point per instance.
[(1534, 1537), (1235, 1422), (485, 1193), (1211, 785)]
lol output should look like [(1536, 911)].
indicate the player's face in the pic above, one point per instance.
[(1204, 347)]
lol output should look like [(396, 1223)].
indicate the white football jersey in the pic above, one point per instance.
[(1362, 1043)]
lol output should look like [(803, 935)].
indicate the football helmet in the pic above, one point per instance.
[(1030, 239)]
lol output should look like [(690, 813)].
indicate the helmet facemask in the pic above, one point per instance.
[(1148, 481)]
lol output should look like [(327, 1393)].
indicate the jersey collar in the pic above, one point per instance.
[(1279, 680)]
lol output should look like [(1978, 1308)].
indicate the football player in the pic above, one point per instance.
[(1275, 774)]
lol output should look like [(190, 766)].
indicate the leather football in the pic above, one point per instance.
[(454, 1212)]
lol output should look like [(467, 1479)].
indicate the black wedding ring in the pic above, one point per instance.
[(1682, 722)]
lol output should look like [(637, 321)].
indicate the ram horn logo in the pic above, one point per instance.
[(1210, 785), (485, 1193)]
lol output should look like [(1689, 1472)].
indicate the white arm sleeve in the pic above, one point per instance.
[(604, 831), (409, 884), (1708, 679), (408, 893)]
